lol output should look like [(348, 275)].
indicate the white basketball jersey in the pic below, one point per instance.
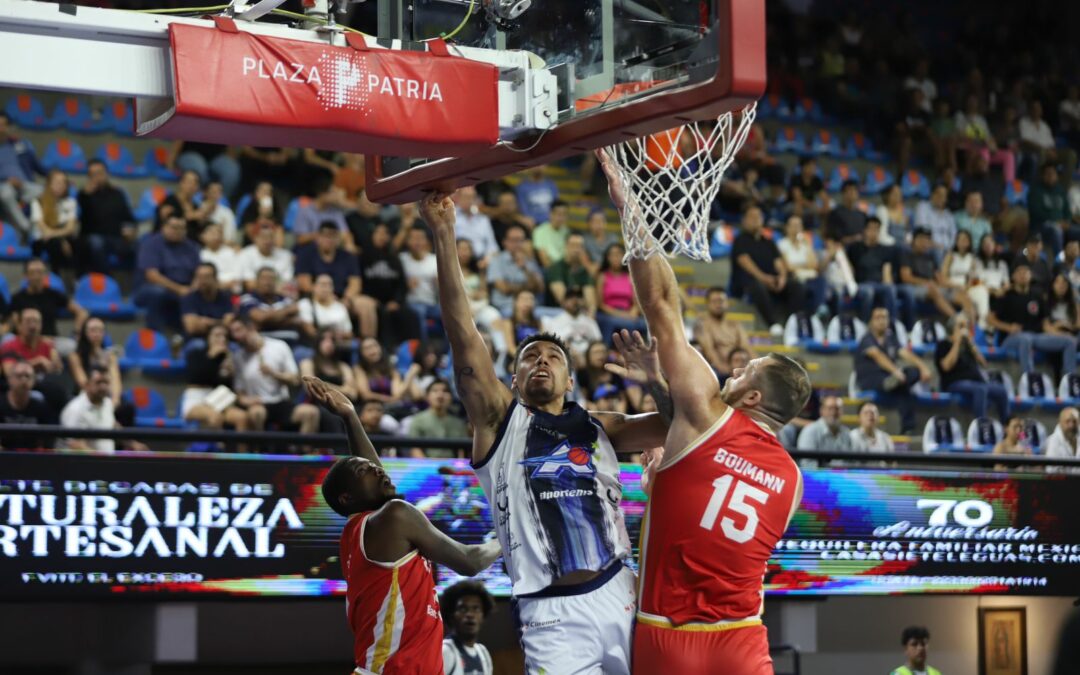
[(553, 483)]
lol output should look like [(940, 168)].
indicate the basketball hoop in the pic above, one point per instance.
[(670, 180)]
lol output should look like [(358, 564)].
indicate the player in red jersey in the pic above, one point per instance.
[(386, 549), (721, 497)]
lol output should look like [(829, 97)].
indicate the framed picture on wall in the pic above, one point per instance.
[(1003, 641)]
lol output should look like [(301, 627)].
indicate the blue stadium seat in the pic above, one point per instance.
[(983, 434), (11, 248), (862, 395), (825, 142), (789, 139), (840, 173), (925, 335), (804, 329), (120, 118), (860, 146), (66, 155), (807, 110), (27, 112), (74, 114), (241, 206), (914, 184), (1033, 435), (927, 397), (721, 241), (100, 294), (769, 107), (1069, 389), (877, 181), (149, 351), (1035, 389), (120, 162), (942, 434), (292, 210), (149, 202), (1016, 192), (5, 291), (54, 280), (150, 410), (155, 164)]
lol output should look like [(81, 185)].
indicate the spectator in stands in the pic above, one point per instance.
[(975, 137), (597, 239), (326, 255), (894, 218), (513, 269), (800, 257), (1048, 205), (49, 301), (920, 79), (474, 225), (1021, 314), (384, 281), (961, 367), (934, 216), (106, 224), (219, 212), (943, 127), (522, 320), (265, 369), (807, 179), (317, 166), (610, 398), (789, 435), (277, 165), (716, 334), (1069, 115), (1032, 255), (922, 280), (593, 374), (914, 639), (1065, 441), (1069, 261), (914, 133), (375, 377), (181, 204), (326, 364), (506, 213), (536, 194), (846, 222), (759, 272), (222, 256), (207, 305), (572, 272), (827, 433), (91, 352), (617, 307), (873, 266), (867, 437), (574, 325), (549, 239), (210, 369), (93, 408), (1012, 444), (325, 208), (376, 422), (208, 161), (486, 316), (958, 270), (437, 421), (264, 206), (364, 216), (880, 366), (323, 310), (1037, 139), (991, 279), (1064, 306), (18, 405), (418, 263), (265, 252), (428, 366), (55, 220), (18, 165), (268, 308), (166, 264), (972, 219)]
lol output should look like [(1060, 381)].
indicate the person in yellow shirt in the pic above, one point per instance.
[(915, 639)]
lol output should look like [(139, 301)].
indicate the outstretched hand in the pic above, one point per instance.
[(616, 189), (438, 211), (650, 464), (641, 363), (328, 397)]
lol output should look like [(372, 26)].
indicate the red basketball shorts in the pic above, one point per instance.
[(736, 651)]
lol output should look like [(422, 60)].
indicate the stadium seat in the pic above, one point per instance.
[(120, 118), (901, 332), (149, 351), (11, 248), (721, 241), (855, 392), (149, 202), (28, 112), (927, 397), (990, 351), (292, 211), (66, 155), (845, 331), (877, 181), (405, 353), (1069, 389), (1033, 435), (943, 434), (155, 164), (914, 184), (74, 114), (1004, 379), (804, 329), (789, 139), (54, 280), (770, 106), (840, 173), (925, 335), (1016, 192), (983, 434), (807, 110), (120, 162), (150, 410), (241, 206), (824, 142), (1035, 389), (859, 146), (100, 295)]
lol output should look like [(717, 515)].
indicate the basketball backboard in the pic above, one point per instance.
[(624, 69)]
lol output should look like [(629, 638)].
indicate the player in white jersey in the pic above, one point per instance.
[(549, 469)]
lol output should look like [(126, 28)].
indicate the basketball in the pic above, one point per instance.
[(579, 456)]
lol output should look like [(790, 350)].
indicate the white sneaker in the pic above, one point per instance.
[(776, 330)]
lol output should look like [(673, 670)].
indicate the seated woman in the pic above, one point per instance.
[(476, 286), (324, 311), (265, 205), (1064, 307), (208, 369), (801, 258), (990, 279), (593, 374), (326, 365), (1011, 445), (894, 216), (376, 379), (55, 220), (427, 362), (958, 269), (522, 322), (615, 295), (90, 352)]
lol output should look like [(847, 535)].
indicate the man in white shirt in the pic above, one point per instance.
[(1037, 138), (464, 606), (223, 257), (573, 325), (474, 225), (1065, 441), (418, 263), (827, 433), (265, 369), (934, 215), (264, 253), (867, 437), (93, 409)]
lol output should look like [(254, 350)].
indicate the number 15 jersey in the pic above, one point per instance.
[(716, 513)]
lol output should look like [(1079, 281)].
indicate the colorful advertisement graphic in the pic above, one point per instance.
[(172, 525)]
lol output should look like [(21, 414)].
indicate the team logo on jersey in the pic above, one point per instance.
[(575, 460)]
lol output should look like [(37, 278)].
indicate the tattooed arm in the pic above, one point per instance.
[(642, 366), (484, 396)]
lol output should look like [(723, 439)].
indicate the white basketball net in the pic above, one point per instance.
[(668, 191)]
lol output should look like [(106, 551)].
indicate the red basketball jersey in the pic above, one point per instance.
[(716, 512), (393, 609)]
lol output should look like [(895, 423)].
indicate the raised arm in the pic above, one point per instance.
[(407, 521), (484, 396), (339, 404)]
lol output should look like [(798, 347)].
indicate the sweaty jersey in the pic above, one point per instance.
[(716, 512), (393, 609), (553, 481)]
